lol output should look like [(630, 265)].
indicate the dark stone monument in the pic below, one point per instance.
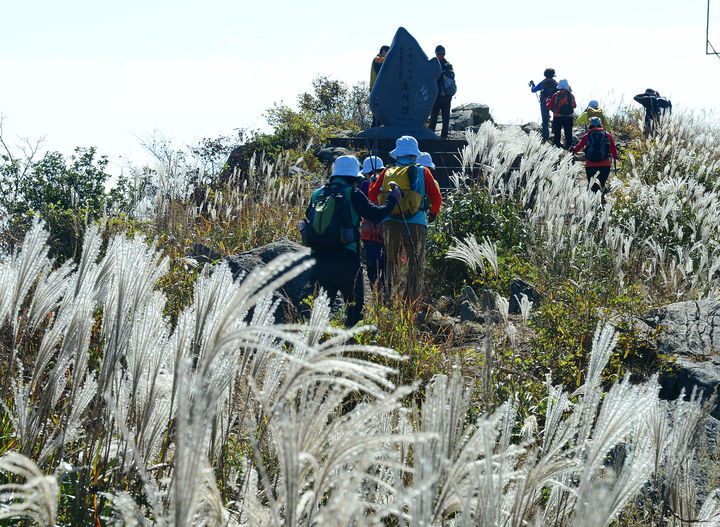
[(405, 91)]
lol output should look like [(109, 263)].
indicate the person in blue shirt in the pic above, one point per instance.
[(547, 87)]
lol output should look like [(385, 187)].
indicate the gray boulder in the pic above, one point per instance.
[(519, 287), (469, 115), (293, 292), (468, 312), (329, 154), (690, 333)]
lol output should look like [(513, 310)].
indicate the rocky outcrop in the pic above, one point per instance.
[(469, 115), (689, 332)]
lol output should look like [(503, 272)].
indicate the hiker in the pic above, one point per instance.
[(562, 104), (332, 231), (547, 87), (406, 228), (374, 71), (592, 110), (654, 104), (425, 160), (447, 87), (599, 145), (377, 64), (371, 232)]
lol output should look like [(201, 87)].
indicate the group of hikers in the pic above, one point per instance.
[(556, 99), (380, 214), (446, 88), (383, 209)]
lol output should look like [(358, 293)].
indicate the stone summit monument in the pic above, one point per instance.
[(405, 91)]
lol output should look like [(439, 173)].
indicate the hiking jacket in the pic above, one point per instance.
[(361, 206), (652, 111), (430, 189), (538, 88), (447, 70), (370, 231), (591, 112), (375, 69), (552, 102), (605, 162)]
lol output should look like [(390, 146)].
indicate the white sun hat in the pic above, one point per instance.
[(347, 166)]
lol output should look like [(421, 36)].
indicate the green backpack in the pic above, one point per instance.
[(333, 223)]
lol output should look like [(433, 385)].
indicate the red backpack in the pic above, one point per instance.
[(563, 103)]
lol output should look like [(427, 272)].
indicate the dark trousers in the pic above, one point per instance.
[(341, 271), (559, 124), (602, 175), (375, 262), (442, 103), (545, 116)]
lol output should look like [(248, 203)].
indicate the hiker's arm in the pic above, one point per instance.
[(581, 144), (369, 210), (583, 118), (537, 87), (375, 188), (605, 123), (551, 101), (613, 149), (432, 191)]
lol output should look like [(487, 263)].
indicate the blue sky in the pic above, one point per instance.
[(102, 73)]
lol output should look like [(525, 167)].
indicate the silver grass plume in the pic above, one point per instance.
[(35, 499)]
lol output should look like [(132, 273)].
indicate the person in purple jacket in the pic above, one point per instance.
[(547, 87)]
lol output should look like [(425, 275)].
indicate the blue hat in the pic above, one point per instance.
[(425, 160), (406, 145), (593, 104), (563, 85), (595, 121), (372, 163)]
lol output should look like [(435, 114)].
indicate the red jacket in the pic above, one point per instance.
[(583, 143), (552, 101), (431, 189)]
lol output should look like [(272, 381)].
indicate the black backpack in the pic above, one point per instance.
[(598, 146), (662, 104), (563, 103), (332, 222), (549, 86)]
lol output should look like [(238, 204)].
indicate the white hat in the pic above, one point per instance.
[(406, 145), (347, 166), (425, 159), (372, 163)]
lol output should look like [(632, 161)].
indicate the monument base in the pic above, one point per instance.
[(393, 132)]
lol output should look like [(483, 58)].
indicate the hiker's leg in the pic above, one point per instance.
[(416, 260), (556, 130), (603, 174), (325, 274), (392, 232), (545, 116), (434, 114), (445, 107), (353, 290), (381, 267), (371, 261), (568, 126), (590, 172)]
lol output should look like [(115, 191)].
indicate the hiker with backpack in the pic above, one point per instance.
[(599, 146), (593, 110), (448, 88), (332, 231), (655, 105), (406, 228), (562, 104), (547, 87), (371, 232)]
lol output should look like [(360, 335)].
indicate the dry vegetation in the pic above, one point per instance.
[(138, 389)]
